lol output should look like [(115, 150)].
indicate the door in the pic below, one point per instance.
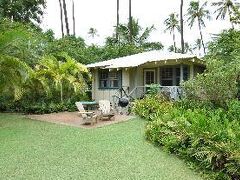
[(149, 77)]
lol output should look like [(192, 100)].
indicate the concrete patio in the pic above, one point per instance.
[(74, 119)]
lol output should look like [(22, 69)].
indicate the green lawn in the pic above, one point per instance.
[(39, 150)]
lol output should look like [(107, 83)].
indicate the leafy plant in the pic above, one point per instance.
[(152, 106), (210, 139)]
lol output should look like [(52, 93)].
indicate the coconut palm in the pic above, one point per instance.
[(117, 19), (66, 17), (139, 36), (225, 7), (61, 17), (197, 13), (197, 46), (73, 18), (172, 24), (130, 24), (181, 26), (92, 32)]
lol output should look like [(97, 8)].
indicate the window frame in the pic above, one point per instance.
[(109, 79), (145, 77), (167, 78)]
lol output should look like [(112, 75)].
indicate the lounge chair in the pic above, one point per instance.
[(106, 112), (89, 117)]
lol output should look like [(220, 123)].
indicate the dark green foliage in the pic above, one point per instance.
[(30, 80), (210, 138), (75, 47), (153, 89), (152, 106), (225, 46), (204, 128), (111, 50), (53, 74), (138, 38), (40, 103), (220, 81), (22, 10), (23, 41), (38, 107)]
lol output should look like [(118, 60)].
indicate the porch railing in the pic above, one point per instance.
[(174, 92)]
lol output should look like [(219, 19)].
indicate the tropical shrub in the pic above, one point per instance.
[(217, 85), (220, 82), (211, 139), (64, 76), (152, 106)]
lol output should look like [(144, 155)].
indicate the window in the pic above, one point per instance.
[(185, 73), (178, 74), (109, 80), (170, 76), (167, 76)]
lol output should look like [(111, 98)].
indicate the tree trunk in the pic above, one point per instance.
[(117, 38), (73, 18), (201, 36), (181, 26), (61, 16), (66, 17), (130, 21), (61, 92), (174, 42)]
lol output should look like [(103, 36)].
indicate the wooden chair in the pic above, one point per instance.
[(88, 117), (106, 112)]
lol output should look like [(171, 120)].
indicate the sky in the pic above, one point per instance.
[(101, 14)]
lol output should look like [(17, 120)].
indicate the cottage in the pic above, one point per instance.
[(132, 74)]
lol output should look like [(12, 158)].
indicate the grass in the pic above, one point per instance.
[(39, 150)]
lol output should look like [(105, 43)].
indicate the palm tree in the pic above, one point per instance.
[(181, 26), (13, 74), (139, 36), (65, 74), (92, 32), (66, 17), (73, 18), (117, 19), (226, 7), (198, 13), (130, 22), (13, 71), (61, 17), (171, 24), (197, 46)]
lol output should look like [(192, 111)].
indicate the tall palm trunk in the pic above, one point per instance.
[(73, 18), (130, 22), (117, 38), (61, 16), (201, 36), (174, 41), (66, 17), (181, 26)]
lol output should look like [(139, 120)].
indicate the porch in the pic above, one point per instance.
[(135, 73), (134, 82)]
